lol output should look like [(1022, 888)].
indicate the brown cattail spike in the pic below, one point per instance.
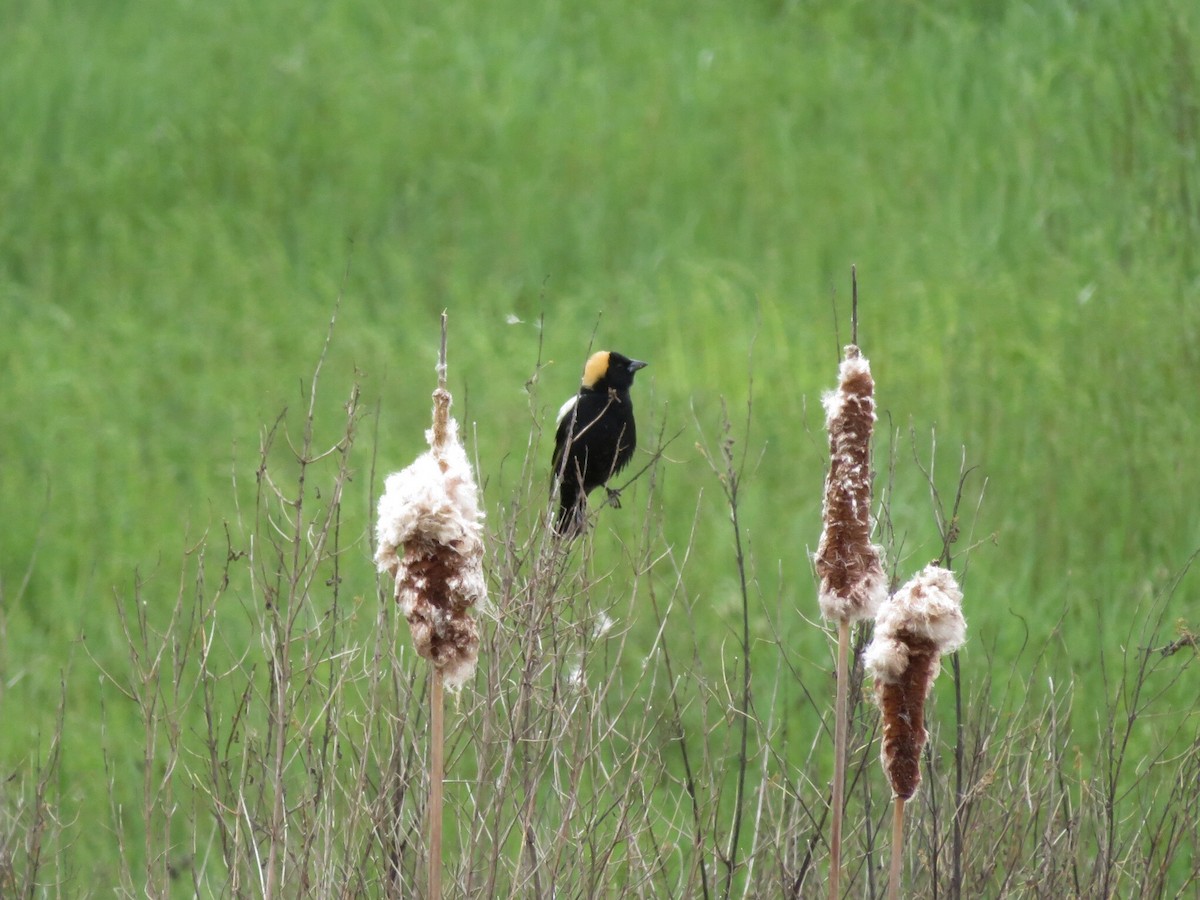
[(903, 705), (436, 598), (848, 564), (922, 621)]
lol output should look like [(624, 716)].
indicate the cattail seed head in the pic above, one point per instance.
[(853, 583), (913, 629), (429, 538)]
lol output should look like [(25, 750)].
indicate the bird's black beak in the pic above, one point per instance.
[(635, 364)]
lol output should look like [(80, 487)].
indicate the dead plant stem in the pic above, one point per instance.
[(897, 849), (436, 778), (743, 760), (839, 759)]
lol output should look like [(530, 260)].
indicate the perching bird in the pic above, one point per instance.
[(596, 435)]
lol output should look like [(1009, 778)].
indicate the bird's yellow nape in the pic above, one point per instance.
[(596, 368)]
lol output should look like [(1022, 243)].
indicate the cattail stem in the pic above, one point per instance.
[(429, 539), (841, 727), (897, 848), (854, 304), (436, 778)]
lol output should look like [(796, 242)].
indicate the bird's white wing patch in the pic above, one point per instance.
[(565, 410)]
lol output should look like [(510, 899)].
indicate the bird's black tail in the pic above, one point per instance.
[(571, 518)]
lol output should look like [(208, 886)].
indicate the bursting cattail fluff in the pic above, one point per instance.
[(852, 578), (913, 629), (429, 538)]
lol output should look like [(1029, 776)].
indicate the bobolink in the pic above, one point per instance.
[(595, 437)]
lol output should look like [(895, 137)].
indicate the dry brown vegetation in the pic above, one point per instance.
[(283, 725)]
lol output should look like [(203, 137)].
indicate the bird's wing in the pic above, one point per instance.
[(563, 423), (565, 409)]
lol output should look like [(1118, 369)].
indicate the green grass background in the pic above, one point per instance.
[(186, 189)]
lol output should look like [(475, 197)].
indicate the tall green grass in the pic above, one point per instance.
[(184, 194)]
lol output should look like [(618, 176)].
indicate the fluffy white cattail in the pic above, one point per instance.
[(430, 539), (852, 578), (913, 629)]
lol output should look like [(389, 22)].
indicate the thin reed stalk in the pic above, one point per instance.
[(841, 728), (897, 865), (437, 771)]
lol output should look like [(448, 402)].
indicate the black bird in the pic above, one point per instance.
[(596, 435)]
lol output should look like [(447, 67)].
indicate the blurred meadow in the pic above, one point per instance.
[(189, 191)]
